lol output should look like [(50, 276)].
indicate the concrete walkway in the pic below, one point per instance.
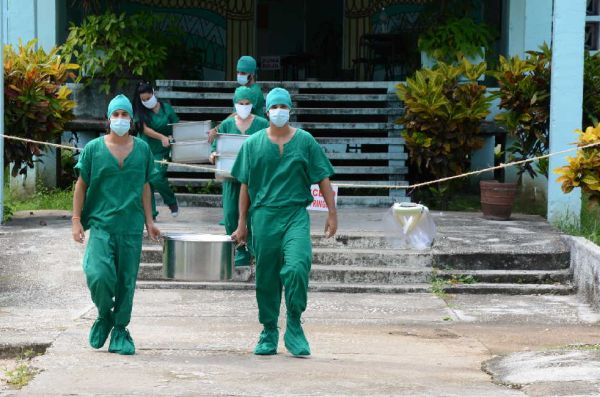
[(193, 343)]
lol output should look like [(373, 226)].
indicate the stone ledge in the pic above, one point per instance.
[(585, 267)]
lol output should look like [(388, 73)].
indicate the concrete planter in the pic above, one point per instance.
[(91, 103)]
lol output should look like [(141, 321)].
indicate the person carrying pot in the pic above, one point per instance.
[(276, 167), (153, 121), (243, 123)]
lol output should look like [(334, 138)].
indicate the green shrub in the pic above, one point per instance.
[(456, 37), (116, 48), (36, 101), (525, 98), (442, 118)]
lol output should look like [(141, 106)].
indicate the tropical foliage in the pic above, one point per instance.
[(444, 108), (116, 48), (525, 98), (584, 169), (36, 101)]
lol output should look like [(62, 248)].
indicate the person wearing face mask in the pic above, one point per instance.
[(276, 168), (246, 77), (111, 199), (153, 121), (243, 123)]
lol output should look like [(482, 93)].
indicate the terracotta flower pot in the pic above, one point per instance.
[(497, 199)]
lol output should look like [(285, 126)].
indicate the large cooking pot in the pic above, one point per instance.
[(198, 257)]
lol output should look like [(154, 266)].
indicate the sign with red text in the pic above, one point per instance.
[(318, 203)]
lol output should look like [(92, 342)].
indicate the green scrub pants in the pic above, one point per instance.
[(159, 183), (111, 264), (231, 214), (283, 250)]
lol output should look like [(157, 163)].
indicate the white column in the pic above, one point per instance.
[(2, 111), (566, 99)]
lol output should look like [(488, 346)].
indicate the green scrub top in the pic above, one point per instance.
[(258, 103), (228, 127), (276, 180), (159, 122), (113, 200)]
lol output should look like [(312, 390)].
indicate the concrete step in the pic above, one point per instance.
[(506, 289), (196, 182), (299, 111), (378, 257), (314, 286), (226, 96), (510, 289), (325, 274), (387, 86), (507, 276), (215, 200)]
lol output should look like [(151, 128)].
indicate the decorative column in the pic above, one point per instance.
[(566, 101), (241, 28)]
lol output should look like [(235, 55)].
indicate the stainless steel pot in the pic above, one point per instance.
[(198, 257)]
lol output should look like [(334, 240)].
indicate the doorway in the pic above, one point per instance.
[(299, 40)]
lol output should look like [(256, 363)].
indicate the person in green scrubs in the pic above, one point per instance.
[(243, 123), (276, 168), (111, 199), (246, 77), (153, 121)]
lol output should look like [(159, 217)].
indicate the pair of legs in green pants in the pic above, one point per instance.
[(231, 214), (283, 249), (160, 183), (111, 266)]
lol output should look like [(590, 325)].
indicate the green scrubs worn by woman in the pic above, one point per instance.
[(276, 168), (112, 200), (154, 119), (243, 123)]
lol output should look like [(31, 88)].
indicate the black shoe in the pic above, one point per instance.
[(174, 210)]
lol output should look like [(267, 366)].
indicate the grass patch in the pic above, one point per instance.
[(42, 199), (23, 372), (589, 226)]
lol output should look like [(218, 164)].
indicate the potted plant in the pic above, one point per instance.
[(455, 38), (112, 50), (37, 104), (442, 119), (524, 93)]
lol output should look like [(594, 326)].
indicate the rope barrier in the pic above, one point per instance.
[(341, 184)]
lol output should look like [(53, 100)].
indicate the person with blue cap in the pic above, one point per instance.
[(246, 76), (242, 123), (276, 168), (111, 199)]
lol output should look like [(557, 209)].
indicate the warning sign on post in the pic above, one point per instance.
[(318, 203)]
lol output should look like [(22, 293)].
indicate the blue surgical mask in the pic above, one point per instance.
[(242, 79), (279, 117), (120, 126)]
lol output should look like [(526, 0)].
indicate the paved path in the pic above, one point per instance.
[(193, 343)]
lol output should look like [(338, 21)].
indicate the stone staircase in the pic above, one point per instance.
[(353, 121), (363, 262)]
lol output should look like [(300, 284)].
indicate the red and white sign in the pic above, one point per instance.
[(318, 203)]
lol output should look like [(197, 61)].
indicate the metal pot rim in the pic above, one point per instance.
[(196, 237)]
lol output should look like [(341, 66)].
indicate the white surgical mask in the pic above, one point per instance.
[(150, 103), (120, 126), (279, 117), (242, 79), (243, 110)]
